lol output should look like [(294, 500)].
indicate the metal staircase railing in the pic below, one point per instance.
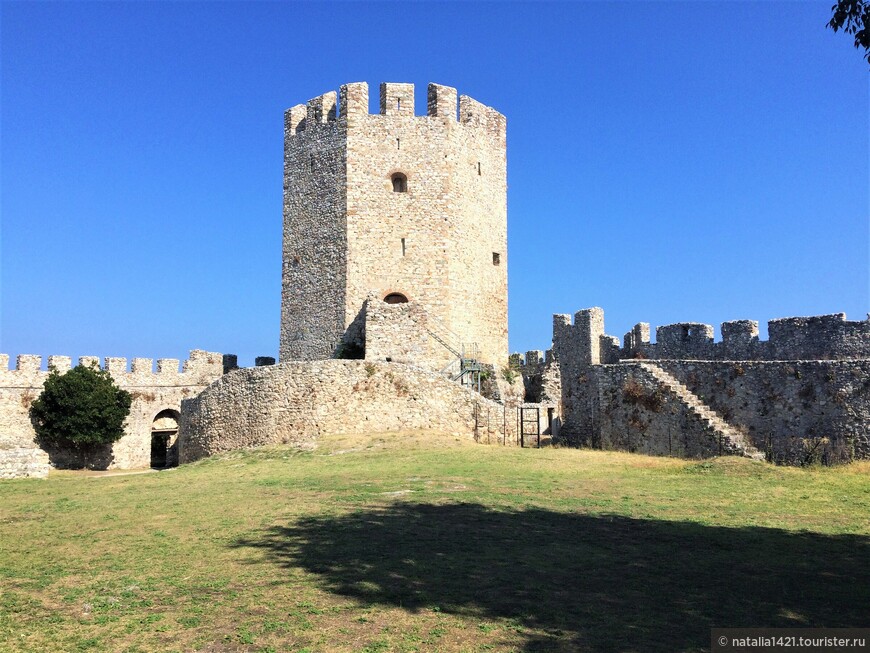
[(440, 338), (467, 355)]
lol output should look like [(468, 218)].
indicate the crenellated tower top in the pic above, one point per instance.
[(396, 100)]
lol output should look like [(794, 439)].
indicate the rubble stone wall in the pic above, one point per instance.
[(821, 337), (298, 401), (402, 333), (789, 406), (632, 413), (23, 462), (784, 405)]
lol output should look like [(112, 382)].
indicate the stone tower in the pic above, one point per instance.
[(397, 207)]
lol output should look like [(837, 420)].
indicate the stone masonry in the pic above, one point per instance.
[(801, 396), (395, 252), (394, 204), (297, 401), (157, 397)]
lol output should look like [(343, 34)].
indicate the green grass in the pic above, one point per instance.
[(424, 543)]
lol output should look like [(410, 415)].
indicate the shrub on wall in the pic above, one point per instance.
[(635, 393), (82, 409)]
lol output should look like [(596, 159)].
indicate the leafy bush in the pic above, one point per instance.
[(82, 409)]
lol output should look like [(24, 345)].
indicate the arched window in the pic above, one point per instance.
[(396, 298), (400, 183)]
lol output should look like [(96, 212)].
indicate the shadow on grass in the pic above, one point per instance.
[(599, 583)]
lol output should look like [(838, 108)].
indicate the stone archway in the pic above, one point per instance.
[(164, 439)]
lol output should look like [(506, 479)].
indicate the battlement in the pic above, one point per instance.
[(691, 339), (533, 360), (396, 100), (799, 381), (823, 337), (201, 368)]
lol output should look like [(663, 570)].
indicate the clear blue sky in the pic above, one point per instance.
[(668, 161)]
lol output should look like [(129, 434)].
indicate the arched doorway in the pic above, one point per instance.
[(164, 439)]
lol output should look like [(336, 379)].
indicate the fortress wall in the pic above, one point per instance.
[(823, 337), (152, 391), (577, 348), (541, 376), (786, 406), (783, 406), (784, 409), (23, 462), (632, 413), (684, 340), (296, 402), (819, 337), (530, 366)]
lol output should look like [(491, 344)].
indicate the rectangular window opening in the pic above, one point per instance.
[(398, 144), (403, 246), (496, 258), (478, 168), (398, 104)]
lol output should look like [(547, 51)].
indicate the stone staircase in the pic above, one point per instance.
[(732, 442)]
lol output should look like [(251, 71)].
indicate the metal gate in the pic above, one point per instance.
[(529, 425)]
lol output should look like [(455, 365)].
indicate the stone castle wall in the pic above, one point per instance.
[(298, 401), (770, 399), (631, 412), (796, 412), (152, 392), (441, 241), (577, 348), (784, 407), (822, 337), (541, 377)]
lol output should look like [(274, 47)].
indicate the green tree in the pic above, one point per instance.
[(82, 409), (853, 17)]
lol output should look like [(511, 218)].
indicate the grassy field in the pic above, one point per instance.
[(423, 543)]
